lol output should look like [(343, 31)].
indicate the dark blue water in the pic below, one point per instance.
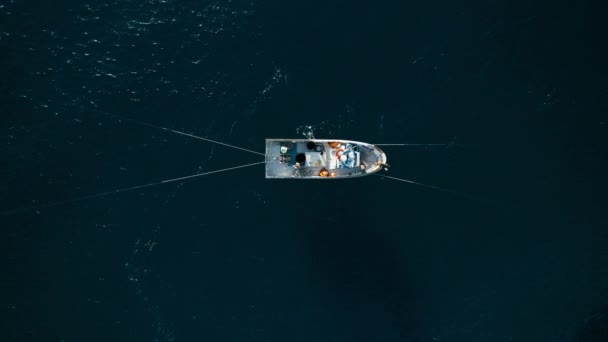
[(518, 90)]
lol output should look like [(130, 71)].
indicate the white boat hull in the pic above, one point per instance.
[(321, 159)]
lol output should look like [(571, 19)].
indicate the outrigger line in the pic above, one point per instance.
[(113, 192), (428, 145), (434, 187), (411, 144), (143, 123), (106, 193), (416, 183)]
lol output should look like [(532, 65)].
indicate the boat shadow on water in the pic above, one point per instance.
[(363, 277), (595, 327)]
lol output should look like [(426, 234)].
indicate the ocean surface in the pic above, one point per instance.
[(515, 249)]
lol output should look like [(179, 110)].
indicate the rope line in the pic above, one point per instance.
[(113, 192), (143, 123), (411, 144), (414, 182), (434, 187), (428, 145)]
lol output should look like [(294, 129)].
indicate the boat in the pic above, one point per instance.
[(322, 159), (307, 158)]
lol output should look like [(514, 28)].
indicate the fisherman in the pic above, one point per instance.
[(346, 156), (350, 161)]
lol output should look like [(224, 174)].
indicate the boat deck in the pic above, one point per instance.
[(300, 158)]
